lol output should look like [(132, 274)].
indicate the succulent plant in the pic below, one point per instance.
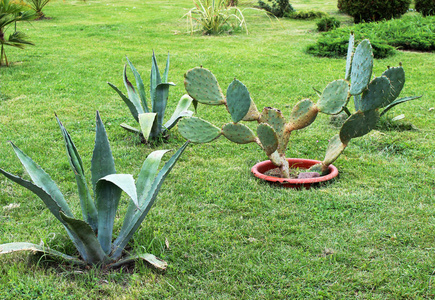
[(274, 130), (150, 119), (92, 236)]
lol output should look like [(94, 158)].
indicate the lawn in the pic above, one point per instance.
[(225, 235)]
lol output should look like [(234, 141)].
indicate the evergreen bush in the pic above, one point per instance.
[(374, 10)]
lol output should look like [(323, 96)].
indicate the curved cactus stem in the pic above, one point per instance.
[(238, 133), (334, 97), (361, 70), (198, 130), (202, 86)]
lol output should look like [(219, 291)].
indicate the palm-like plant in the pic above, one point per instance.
[(92, 236), (10, 13), (37, 6)]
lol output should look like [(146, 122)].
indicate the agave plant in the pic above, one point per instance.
[(92, 236), (11, 13), (151, 119), (37, 6)]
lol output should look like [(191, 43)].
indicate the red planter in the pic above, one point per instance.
[(259, 169)]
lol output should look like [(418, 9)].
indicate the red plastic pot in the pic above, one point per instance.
[(259, 169)]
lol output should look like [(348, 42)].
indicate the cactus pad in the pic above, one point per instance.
[(202, 86), (274, 118), (268, 138), (358, 124), (303, 114), (198, 130), (376, 94), (335, 148), (362, 65), (238, 100), (349, 56), (238, 133), (397, 79), (334, 97), (253, 113)]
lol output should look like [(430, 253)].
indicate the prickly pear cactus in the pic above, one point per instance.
[(274, 131)]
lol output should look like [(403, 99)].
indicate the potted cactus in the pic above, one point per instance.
[(274, 130)]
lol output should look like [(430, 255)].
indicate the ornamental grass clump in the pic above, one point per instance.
[(92, 236), (151, 119), (274, 128)]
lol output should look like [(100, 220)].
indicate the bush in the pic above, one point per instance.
[(327, 24), (425, 7), (374, 10), (278, 8), (307, 14), (409, 33)]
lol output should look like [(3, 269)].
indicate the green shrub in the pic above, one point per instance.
[(407, 33), (307, 14), (279, 8), (425, 7), (374, 10), (327, 24)]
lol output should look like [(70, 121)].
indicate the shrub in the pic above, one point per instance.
[(278, 8), (327, 24), (408, 33), (374, 10), (307, 14), (37, 6), (425, 7)]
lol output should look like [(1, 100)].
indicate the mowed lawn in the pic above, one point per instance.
[(225, 235)]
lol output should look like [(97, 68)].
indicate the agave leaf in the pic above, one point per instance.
[(129, 128), (140, 86), (144, 182), (82, 229), (42, 180), (166, 72), (130, 228), (180, 111), (102, 163), (149, 258), (132, 95), (159, 106), (22, 246), (51, 204), (86, 202), (398, 101), (130, 105), (123, 181), (107, 199), (146, 122), (155, 79)]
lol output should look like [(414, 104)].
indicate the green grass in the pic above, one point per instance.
[(368, 235)]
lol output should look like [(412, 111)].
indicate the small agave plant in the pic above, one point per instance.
[(274, 130), (150, 119), (93, 236)]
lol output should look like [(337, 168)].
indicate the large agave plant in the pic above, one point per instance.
[(93, 236), (150, 119)]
